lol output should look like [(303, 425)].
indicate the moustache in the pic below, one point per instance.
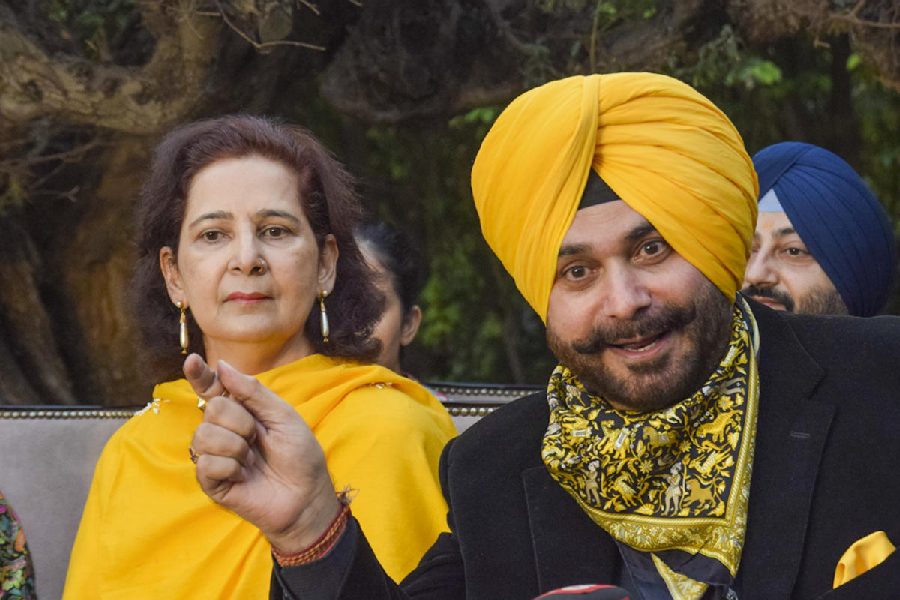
[(772, 293), (669, 318)]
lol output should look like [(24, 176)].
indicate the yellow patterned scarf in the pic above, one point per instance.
[(674, 483)]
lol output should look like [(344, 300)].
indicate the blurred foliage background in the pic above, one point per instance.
[(402, 92)]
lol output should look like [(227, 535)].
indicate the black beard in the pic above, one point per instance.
[(657, 384), (822, 301)]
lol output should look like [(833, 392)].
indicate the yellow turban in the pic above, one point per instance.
[(661, 146)]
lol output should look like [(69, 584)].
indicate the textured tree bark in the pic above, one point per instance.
[(401, 60), (14, 387), (873, 25), (406, 60), (143, 99), (31, 369), (95, 265)]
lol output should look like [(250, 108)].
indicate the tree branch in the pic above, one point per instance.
[(260, 46), (129, 99)]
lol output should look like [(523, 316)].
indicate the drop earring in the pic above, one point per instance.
[(183, 338), (325, 329)]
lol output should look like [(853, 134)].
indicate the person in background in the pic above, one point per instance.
[(400, 277), (16, 569), (823, 243), (246, 257)]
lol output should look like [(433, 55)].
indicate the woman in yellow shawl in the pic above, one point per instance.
[(246, 255)]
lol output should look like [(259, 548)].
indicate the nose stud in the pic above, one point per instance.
[(260, 265)]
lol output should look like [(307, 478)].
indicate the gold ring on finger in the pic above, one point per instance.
[(194, 455), (201, 403)]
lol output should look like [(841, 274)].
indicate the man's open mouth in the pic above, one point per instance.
[(644, 344)]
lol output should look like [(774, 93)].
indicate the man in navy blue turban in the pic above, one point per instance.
[(823, 242)]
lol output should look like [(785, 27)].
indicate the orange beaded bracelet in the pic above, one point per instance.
[(321, 546)]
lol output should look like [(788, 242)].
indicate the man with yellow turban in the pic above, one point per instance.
[(691, 444)]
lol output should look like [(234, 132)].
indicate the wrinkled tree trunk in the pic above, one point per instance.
[(66, 330), (38, 84), (31, 368), (94, 266)]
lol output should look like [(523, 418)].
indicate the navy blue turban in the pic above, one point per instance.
[(841, 222)]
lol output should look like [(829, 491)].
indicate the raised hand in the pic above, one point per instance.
[(203, 379), (258, 458)]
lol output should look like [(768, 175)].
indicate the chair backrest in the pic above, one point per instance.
[(47, 457), (468, 402)]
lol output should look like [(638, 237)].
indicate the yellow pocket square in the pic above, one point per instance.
[(862, 555)]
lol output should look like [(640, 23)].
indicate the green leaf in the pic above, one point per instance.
[(764, 71)]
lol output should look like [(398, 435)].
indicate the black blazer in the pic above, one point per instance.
[(826, 473)]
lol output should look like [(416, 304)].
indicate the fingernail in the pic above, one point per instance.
[(192, 366)]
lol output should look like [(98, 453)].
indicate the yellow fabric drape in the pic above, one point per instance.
[(662, 147), (862, 555), (149, 532)]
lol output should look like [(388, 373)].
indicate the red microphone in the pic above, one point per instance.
[(586, 592)]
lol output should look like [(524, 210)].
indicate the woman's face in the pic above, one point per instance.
[(394, 330), (248, 266)]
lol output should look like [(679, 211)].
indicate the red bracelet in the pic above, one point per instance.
[(322, 546)]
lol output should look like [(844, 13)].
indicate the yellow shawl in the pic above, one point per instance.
[(148, 531)]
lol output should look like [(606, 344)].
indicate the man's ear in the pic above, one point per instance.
[(410, 328), (328, 257), (168, 265)]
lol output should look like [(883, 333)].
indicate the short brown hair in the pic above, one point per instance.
[(327, 200)]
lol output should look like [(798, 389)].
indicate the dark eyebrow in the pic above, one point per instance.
[(278, 213), (784, 231), (572, 249), (641, 231), (212, 216), (221, 214)]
